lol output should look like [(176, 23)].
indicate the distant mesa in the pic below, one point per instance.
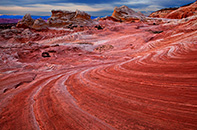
[(176, 13)]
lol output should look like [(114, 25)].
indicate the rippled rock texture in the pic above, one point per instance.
[(183, 12), (126, 76), (176, 13)]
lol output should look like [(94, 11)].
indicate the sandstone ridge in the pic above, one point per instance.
[(176, 13), (61, 18)]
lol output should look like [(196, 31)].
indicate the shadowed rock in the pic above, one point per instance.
[(60, 18), (45, 54), (26, 22)]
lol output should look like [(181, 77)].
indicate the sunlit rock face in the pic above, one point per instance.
[(183, 12), (176, 13), (26, 22), (162, 13), (61, 18), (124, 13)]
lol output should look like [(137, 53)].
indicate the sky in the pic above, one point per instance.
[(93, 7)]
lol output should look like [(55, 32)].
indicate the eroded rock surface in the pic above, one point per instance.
[(123, 76), (176, 13), (26, 22), (124, 13), (61, 18), (183, 12), (40, 24), (162, 13)]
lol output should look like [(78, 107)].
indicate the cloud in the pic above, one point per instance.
[(37, 8), (52, 2), (93, 7), (171, 3)]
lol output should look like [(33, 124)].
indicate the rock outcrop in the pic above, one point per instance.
[(61, 18), (40, 24), (183, 12), (176, 13), (162, 13), (26, 22), (124, 13)]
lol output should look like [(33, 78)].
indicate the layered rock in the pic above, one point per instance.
[(124, 13), (176, 13), (135, 79), (26, 22), (61, 18), (162, 13), (40, 24), (183, 12)]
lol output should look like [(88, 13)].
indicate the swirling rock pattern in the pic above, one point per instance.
[(176, 13), (147, 80)]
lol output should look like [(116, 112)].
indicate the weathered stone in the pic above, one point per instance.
[(63, 18), (124, 13), (40, 24), (26, 22)]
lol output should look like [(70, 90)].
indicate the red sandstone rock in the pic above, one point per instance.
[(176, 13), (124, 13), (162, 13), (26, 22), (40, 24), (125, 76), (183, 12), (61, 18)]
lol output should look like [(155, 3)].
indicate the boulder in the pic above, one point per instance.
[(26, 22), (124, 13)]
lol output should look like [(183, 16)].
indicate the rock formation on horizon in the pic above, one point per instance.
[(26, 22), (176, 13), (124, 13), (60, 18), (40, 24), (183, 12), (162, 13)]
